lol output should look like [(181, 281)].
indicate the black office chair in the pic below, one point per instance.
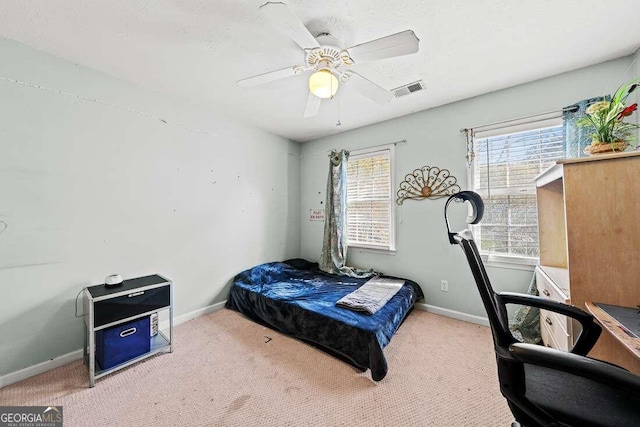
[(545, 386)]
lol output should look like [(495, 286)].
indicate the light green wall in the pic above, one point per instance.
[(89, 190), (434, 139)]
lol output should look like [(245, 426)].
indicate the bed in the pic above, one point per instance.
[(296, 298)]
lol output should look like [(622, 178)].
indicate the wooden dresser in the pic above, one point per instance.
[(589, 229)]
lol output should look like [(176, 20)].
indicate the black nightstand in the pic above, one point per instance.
[(132, 303)]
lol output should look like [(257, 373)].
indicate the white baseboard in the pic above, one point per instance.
[(453, 314), (197, 313), (56, 362), (40, 368), (193, 314)]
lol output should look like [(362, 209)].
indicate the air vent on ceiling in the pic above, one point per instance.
[(409, 88)]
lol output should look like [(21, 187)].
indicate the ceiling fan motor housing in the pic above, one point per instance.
[(327, 57)]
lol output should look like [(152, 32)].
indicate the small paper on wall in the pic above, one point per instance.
[(316, 215)]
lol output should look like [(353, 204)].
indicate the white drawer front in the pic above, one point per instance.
[(548, 289), (547, 336), (556, 329), (557, 326)]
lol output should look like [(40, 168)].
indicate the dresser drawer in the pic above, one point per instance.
[(557, 326), (548, 289), (547, 336), (556, 329), (134, 303)]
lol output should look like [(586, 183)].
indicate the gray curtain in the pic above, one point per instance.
[(576, 137), (334, 246), (525, 326)]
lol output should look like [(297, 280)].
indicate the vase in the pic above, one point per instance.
[(597, 148)]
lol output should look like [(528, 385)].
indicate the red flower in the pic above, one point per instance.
[(628, 111)]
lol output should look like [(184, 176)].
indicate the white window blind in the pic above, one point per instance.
[(369, 200), (503, 172)]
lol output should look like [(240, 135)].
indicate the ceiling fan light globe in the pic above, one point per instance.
[(323, 84)]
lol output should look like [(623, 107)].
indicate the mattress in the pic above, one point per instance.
[(296, 298)]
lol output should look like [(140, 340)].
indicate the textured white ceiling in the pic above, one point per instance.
[(198, 49)]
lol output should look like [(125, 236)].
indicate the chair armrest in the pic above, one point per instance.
[(586, 367), (590, 330)]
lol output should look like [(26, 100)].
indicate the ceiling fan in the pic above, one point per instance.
[(329, 61)]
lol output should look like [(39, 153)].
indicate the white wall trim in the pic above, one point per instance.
[(56, 362), (40, 368), (453, 314), (199, 312)]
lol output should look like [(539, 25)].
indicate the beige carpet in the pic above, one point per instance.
[(222, 373)]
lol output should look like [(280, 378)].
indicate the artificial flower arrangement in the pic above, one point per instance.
[(606, 121)]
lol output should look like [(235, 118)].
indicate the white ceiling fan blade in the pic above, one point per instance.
[(313, 105), (289, 24), (268, 77), (369, 88), (398, 44)]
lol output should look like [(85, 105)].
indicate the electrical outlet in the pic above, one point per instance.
[(444, 285)]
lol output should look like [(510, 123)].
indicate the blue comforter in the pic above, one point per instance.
[(297, 299)]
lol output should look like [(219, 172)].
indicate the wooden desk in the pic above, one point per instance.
[(615, 329)]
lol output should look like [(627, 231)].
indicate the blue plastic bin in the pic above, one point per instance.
[(124, 342)]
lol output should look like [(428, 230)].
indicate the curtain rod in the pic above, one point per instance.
[(531, 116), (402, 141)]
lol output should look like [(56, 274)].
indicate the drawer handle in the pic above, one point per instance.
[(127, 332), (546, 292), (549, 322)]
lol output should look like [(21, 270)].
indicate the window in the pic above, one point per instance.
[(503, 172), (370, 221)]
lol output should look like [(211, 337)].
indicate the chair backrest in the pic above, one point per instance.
[(543, 386), (496, 314), (498, 319)]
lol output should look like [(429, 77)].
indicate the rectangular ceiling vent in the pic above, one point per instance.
[(409, 88)]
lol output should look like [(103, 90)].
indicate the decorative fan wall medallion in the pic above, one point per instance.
[(427, 183)]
